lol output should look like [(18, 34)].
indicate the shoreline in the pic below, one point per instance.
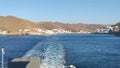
[(39, 34), (57, 34)]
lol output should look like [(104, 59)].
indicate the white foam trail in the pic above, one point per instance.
[(54, 57), (51, 53)]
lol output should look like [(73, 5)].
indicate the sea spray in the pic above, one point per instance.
[(50, 51)]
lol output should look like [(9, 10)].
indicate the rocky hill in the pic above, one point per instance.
[(70, 27), (12, 24)]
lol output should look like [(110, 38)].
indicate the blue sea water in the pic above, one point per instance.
[(58, 51)]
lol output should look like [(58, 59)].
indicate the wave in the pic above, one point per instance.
[(50, 51)]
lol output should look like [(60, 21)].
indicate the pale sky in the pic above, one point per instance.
[(66, 11)]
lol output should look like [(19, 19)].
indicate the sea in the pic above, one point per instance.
[(63, 50)]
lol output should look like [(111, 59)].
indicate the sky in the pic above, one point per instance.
[(66, 11)]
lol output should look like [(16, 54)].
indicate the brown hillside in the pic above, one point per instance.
[(70, 27), (12, 23)]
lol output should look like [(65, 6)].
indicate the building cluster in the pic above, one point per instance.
[(38, 31), (108, 29), (105, 30), (3, 32), (116, 28)]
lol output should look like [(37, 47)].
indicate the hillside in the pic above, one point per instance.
[(12, 24), (116, 28), (69, 27)]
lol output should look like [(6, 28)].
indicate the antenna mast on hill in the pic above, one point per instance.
[(3, 52)]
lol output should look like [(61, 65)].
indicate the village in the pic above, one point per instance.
[(38, 31)]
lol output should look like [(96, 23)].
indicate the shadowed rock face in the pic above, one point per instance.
[(118, 24), (116, 29), (11, 23)]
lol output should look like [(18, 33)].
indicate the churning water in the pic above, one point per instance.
[(51, 53)]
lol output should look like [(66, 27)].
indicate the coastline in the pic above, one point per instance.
[(9, 34)]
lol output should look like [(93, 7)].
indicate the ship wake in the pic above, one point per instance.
[(50, 51)]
